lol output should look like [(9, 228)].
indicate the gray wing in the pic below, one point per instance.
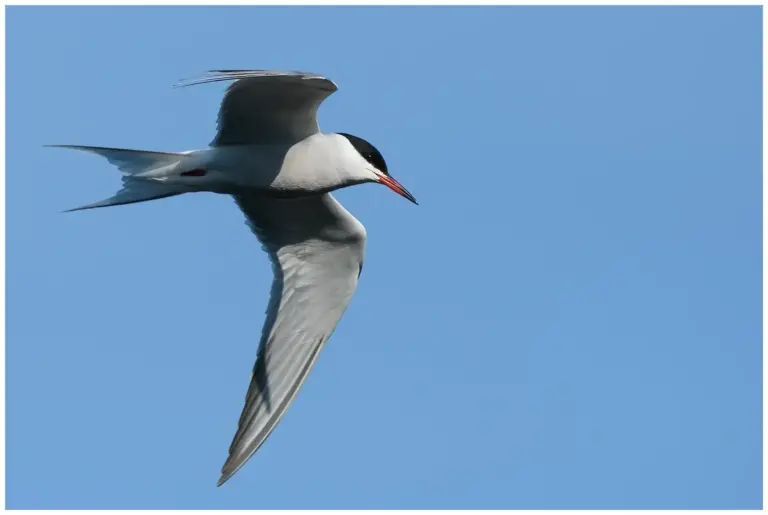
[(316, 248), (264, 106)]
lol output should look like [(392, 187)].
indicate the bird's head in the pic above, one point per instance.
[(377, 165)]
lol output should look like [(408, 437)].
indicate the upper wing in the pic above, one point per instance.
[(316, 248), (263, 106)]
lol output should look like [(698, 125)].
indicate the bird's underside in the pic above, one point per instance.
[(316, 248)]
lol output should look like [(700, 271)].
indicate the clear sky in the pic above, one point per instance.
[(570, 319)]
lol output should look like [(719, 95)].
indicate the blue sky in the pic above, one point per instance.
[(570, 319)]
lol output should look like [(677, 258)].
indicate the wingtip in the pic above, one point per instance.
[(195, 79), (188, 80), (182, 83), (230, 468), (234, 75), (224, 478), (68, 147), (226, 472), (82, 208)]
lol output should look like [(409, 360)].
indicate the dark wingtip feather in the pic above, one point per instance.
[(233, 75), (227, 471)]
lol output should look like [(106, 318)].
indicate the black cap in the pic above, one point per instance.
[(368, 151)]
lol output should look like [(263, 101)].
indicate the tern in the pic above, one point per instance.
[(270, 155)]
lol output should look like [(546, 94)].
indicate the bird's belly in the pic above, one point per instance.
[(246, 168), (271, 170)]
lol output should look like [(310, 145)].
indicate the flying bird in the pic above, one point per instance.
[(270, 155)]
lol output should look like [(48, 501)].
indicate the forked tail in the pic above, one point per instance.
[(141, 172)]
